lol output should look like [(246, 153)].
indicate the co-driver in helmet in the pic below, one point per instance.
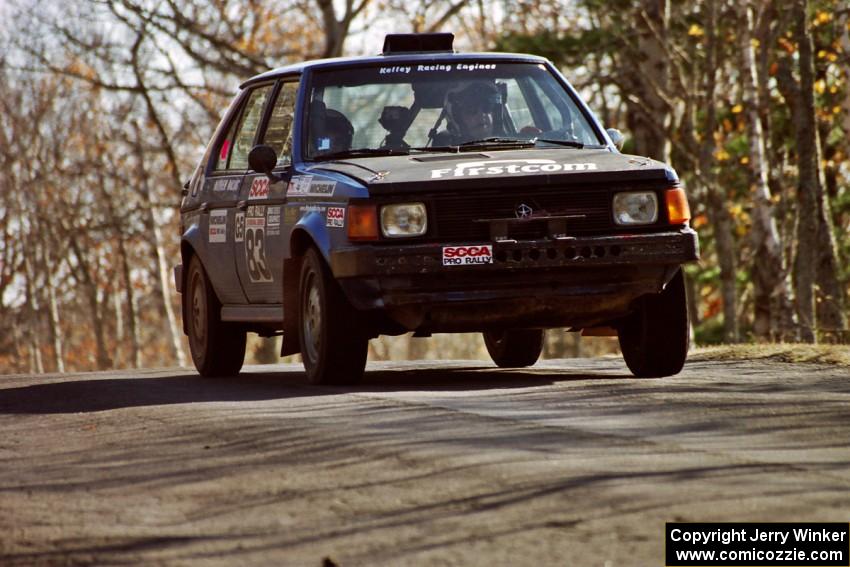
[(472, 113)]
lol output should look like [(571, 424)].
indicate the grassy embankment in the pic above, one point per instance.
[(783, 352)]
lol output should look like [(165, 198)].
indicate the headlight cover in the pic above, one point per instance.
[(635, 207), (401, 220)]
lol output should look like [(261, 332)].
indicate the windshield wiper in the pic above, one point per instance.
[(453, 149), (473, 144), (496, 140), (362, 152), (567, 143)]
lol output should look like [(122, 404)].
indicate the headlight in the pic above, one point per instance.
[(404, 219), (635, 207)]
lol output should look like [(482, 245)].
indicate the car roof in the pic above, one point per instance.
[(418, 57)]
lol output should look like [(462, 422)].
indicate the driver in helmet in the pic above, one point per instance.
[(330, 130), (471, 114)]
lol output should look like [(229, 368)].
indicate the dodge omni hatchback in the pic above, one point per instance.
[(427, 191)]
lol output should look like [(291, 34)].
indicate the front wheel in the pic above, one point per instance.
[(332, 347), (655, 338), (514, 348), (218, 348)]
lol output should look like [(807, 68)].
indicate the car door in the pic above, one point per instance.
[(258, 241), (218, 197)]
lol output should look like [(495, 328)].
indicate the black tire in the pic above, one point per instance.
[(218, 349), (514, 348), (332, 347), (655, 338)]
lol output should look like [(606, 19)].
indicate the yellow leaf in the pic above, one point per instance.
[(745, 160), (721, 155), (755, 43), (823, 18), (821, 53), (737, 109), (832, 57), (820, 86), (836, 109), (695, 31)]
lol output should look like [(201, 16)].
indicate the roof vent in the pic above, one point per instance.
[(417, 42)]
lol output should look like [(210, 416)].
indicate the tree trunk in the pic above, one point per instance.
[(815, 257), (769, 269), (647, 77), (85, 278), (165, 288), (832, 321), (158, 251), (124, 267), (844, 25), (55, 323), (718, 212), (132, 307), (164, 276), (721, 222), (33, 335), (336, 30)]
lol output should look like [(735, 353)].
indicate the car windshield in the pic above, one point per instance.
[(429, 106)]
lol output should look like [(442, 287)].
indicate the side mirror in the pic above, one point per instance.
[(262, 158), (616, 137)]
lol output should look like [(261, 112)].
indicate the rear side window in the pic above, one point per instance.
[(233, 153), (279, 132)]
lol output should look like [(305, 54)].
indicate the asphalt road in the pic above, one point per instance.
[(569, 463)]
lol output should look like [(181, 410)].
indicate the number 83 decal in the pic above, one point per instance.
[(255, 254)]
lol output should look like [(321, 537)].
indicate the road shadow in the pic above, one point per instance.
[(101, 392)]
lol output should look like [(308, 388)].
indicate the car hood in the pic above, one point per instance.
[(493, 169)]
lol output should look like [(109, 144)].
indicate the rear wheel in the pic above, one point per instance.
[(218, 348), (655, 337), (514, 348), (332, 347)]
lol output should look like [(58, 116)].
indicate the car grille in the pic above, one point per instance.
[(459, 217)]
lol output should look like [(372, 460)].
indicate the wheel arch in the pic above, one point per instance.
[(187, 252), (300, 240)]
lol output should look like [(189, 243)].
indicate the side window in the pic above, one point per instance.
[(226, 147), (518, 106), (556, 119), (279, 132), (243, 141)]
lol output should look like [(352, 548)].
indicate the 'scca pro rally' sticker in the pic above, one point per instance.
[(467, 255)]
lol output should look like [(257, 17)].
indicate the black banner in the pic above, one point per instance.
[(758, 545)]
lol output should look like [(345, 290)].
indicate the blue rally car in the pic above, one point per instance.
[(429, 191)]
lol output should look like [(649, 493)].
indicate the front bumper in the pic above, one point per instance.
[(672, 247), (548, 283)]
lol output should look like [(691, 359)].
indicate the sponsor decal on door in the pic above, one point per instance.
[(218, 226)]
